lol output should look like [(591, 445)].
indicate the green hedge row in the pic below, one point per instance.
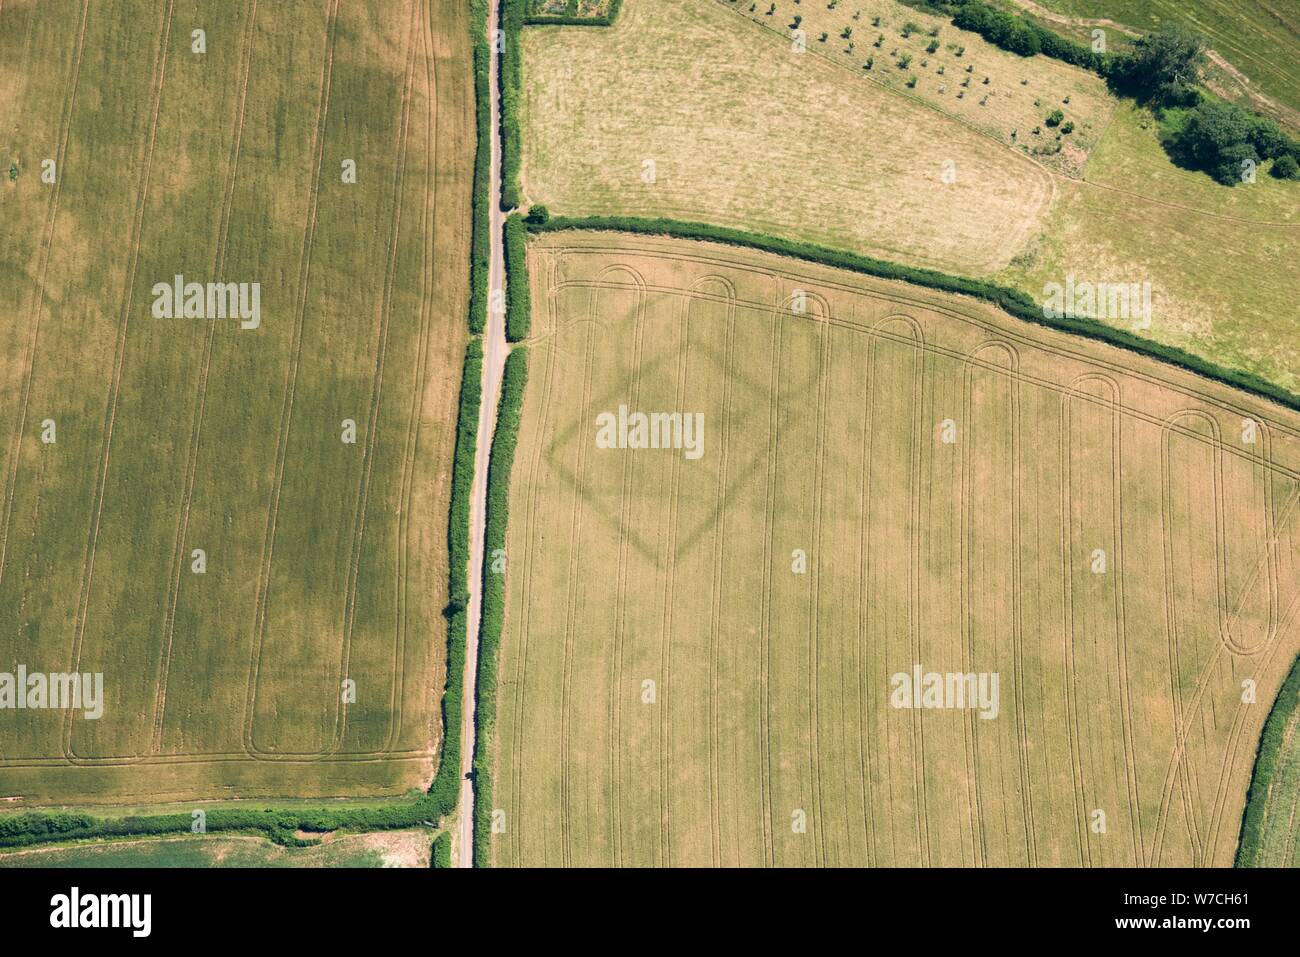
[(514, 14), (1013, 301), (494, 600), (441, 855), (1266, 759), (1013, 32), (445, 790), (279, 824), (481, 225), (519, 303), (1010, 31)]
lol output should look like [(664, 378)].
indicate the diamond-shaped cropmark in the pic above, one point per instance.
[(739, 434)]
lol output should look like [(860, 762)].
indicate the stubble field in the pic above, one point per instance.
[(699, 653), (324, 561)]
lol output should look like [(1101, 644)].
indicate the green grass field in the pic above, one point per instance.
[(698, 655), (1258, 39), (325, 560), (385, 849)]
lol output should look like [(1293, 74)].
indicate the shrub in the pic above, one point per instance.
[(1054, 118), (1164, 67), (1218, 137), (441, 855), (480, 225), (1068, 127), (518, 295), (1286, 167)]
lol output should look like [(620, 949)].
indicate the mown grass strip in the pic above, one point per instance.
[(1267, 758), (1013, 301), (504, 441)]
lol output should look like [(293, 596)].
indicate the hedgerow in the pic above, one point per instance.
[(1013, 301), (504, 442), (1266, 758), (514, 14), (445, 788), (441, 852), (1013, 32), (518, 296), (481, 223)]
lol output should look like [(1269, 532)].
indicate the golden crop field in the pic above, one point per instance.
[(922, 585), (240, 523)]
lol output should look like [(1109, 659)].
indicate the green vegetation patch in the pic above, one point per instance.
[(1267, 839), (504, 442)]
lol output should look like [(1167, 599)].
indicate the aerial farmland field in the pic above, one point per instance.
[(742, 131), (648, 433), (239, 521), (701, 655)]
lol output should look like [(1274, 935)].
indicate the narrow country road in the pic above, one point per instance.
[(494, 360)]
